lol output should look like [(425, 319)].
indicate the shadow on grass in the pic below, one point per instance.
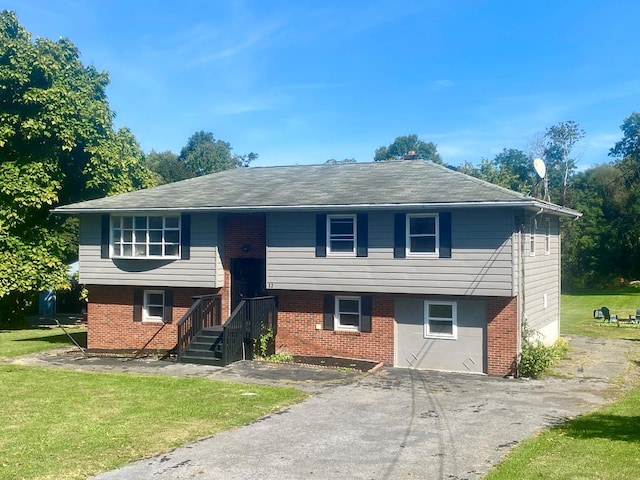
[(79, 337), (610, 427)]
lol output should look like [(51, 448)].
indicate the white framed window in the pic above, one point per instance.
[(532, 237), (341, 235), (347, 313), (547, 236), (139, 236), (422, 234), (440, 319), (153, 306)]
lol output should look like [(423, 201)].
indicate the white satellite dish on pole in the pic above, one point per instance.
[(540, 168)]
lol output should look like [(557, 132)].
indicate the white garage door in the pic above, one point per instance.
[(454, 340)]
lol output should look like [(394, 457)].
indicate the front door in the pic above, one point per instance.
[(248, 279)]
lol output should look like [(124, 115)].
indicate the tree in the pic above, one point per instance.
[(402, 146), (590, 256), (627, 150), (560, 141), (167, 167), (57, 145), (204, 154), (510, 168)]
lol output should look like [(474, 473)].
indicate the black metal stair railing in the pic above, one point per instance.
[(204, 313), (251, 318)]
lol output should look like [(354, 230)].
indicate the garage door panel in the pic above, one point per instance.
[(465, 353)]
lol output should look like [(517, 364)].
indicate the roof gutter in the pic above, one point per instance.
[(531, 203)]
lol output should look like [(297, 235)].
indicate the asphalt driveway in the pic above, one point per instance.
[(391, 424), (388, 425)]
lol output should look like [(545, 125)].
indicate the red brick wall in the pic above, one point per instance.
[(244, 237), (110, 324), (502, 335), (300, 312)]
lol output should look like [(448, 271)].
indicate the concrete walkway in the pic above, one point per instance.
[(392, 424)]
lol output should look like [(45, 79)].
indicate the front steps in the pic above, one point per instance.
[(205, 348)]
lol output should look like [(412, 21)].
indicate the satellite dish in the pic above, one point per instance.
[(540, 168)]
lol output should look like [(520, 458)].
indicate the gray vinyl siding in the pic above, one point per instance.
[(481, 262), (203, 269), (542, 276)]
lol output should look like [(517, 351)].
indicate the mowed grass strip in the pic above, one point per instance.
[(60, 424), (577, 314), (14, 343), (603, 445)]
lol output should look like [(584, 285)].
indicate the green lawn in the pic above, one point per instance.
[(577, 314), (59, 424), (32, 340)]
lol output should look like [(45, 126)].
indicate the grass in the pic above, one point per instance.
[(577, 314), (59, 424), (70, 425), (33, 340)]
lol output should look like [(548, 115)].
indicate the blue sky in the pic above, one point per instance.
[(305, 81)]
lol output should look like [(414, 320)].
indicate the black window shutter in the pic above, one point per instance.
[(365, 313), (362, 226), (400, 235), (185, 236), (104, 236), (167, 313), (321, 235), (138, 301), (445, 234), (329, 310)]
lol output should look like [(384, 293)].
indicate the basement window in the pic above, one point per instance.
[(153, 308)]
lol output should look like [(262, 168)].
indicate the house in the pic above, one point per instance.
[(404, 262)]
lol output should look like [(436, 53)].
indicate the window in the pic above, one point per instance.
[(347, 313), (153, 308), (341, 234), (547, 236), (532, 237), (440, 319), (145, 236), (422, 234)]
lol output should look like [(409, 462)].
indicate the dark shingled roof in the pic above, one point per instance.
[(383, 184)]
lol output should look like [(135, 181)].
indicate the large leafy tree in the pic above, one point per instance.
[(404, 145), (510, 168), (593, 247), (204, 154), (57, 145), (167, 167)]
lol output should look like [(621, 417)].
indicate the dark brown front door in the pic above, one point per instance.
[(248, 277)]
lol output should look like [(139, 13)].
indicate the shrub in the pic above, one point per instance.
[(536, 357)]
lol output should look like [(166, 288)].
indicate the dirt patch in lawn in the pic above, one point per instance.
[(613, 360)]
